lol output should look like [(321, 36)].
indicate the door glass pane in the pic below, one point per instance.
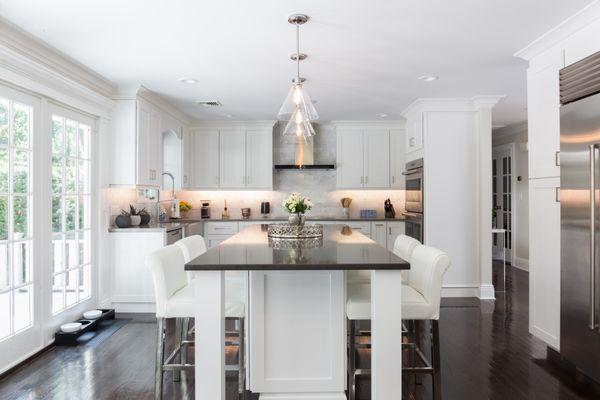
[(3, 217), (5, 316), (3, 170), (71, 286), (21, 264), (72, 250), (71, 213), (58, 246), (57, 174), (58, 295), (21, 171), (57, 214), (57, 135), (71, 138), (84, 176), (20, 214), (23, 305), (21, 124), (4, 267), (70, 175), (84, 140), (4, 112)]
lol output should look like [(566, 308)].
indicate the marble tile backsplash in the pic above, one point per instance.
[(319, 185)]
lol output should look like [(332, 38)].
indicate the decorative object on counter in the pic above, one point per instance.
[(298, 109), (184, 207), (92, 314), (162, 213), (297, 205), (265, 208), (368, 214), (136, 218), (225, 214), (70, 327), (205, 209), (246, 213), (346, 201), (389, 209), (286, 243), (123, 220), (145, 217), (295, 231)]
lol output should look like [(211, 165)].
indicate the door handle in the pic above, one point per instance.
[(557, 195), (557, 158), (592, 316)]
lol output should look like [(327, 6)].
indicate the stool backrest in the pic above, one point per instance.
[(166, 266), (404, 246), (192, 247), (427, 269)]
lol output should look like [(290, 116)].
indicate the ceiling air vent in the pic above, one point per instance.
[(209, 103)]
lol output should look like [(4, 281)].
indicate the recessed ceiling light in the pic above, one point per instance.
[(228, 115), (188, 80), (381, 115), (428, 78)]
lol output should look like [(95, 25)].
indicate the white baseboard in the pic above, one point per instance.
[(487, 292), (460, 291), (521, 263)]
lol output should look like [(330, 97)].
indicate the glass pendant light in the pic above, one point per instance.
[(298, 108)]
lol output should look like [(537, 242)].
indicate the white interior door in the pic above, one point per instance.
[(502, 198), (20, 283)]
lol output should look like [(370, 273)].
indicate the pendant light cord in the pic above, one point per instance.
[(298, 53)]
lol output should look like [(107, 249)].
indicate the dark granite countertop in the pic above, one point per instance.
[(340, 248)]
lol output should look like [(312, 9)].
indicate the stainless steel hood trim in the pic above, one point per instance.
[(580, 80)]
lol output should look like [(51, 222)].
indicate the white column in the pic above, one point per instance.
[(210, 335), (483, 107), (386, 335)]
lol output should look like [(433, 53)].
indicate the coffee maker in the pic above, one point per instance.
[(205, 209)]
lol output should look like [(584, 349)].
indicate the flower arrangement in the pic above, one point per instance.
[(184, 206), (297, 204)]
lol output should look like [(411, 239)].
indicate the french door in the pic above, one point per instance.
[(20, 274)]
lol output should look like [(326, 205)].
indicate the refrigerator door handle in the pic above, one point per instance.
[(592, 316)]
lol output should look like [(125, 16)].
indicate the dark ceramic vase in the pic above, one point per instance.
[(145, 219), (123, 221)]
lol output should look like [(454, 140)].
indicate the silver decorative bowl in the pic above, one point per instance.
[(295, 231), (295, 243)]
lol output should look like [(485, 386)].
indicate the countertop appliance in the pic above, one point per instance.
[(414, 199), (205, 209), (579, 198)]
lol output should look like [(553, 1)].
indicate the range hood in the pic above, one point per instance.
[(304, 158)]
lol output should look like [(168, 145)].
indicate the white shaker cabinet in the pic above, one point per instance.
[(414, 134), (394, 228), (259, 159), (149, 141), (543, 99), (379, 232), (376, 159), (232, 159), (397, 158), (544, 260), (350, 160), (205, 169)]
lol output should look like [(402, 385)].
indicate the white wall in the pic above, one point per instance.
[(517, 134)]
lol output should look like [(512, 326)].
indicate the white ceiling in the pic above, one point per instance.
[(364, 56)]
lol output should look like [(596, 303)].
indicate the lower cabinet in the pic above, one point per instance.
[(394, 229), (544, 260), (133, 290)]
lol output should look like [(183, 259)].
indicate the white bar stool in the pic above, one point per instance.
[(420, 301), (174, 299), (235, 301)]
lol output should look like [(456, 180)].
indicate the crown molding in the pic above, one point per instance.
[(215, 124), (28, 46), (366, 124), (574, 23), (452, 104)]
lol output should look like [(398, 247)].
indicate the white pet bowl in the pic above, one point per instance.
[(92, 314), (71, 327)]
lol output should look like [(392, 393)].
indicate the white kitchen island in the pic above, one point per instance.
[(296, 314)]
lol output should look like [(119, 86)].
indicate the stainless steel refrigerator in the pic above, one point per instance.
[(580, 214)]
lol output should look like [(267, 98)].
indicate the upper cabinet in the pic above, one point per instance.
[(370, 157), (145, 138), (233, 158)]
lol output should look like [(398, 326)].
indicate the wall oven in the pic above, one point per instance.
[(414, 199)]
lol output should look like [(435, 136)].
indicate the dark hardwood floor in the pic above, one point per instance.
[(487, 353)]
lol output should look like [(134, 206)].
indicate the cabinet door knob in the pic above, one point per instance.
[(393, 179), (390, 230)]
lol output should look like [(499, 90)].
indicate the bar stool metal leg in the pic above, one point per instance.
[(178, 334), (184, 338), (352, 360), (241, 359), (435, 355), (158, 371)]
